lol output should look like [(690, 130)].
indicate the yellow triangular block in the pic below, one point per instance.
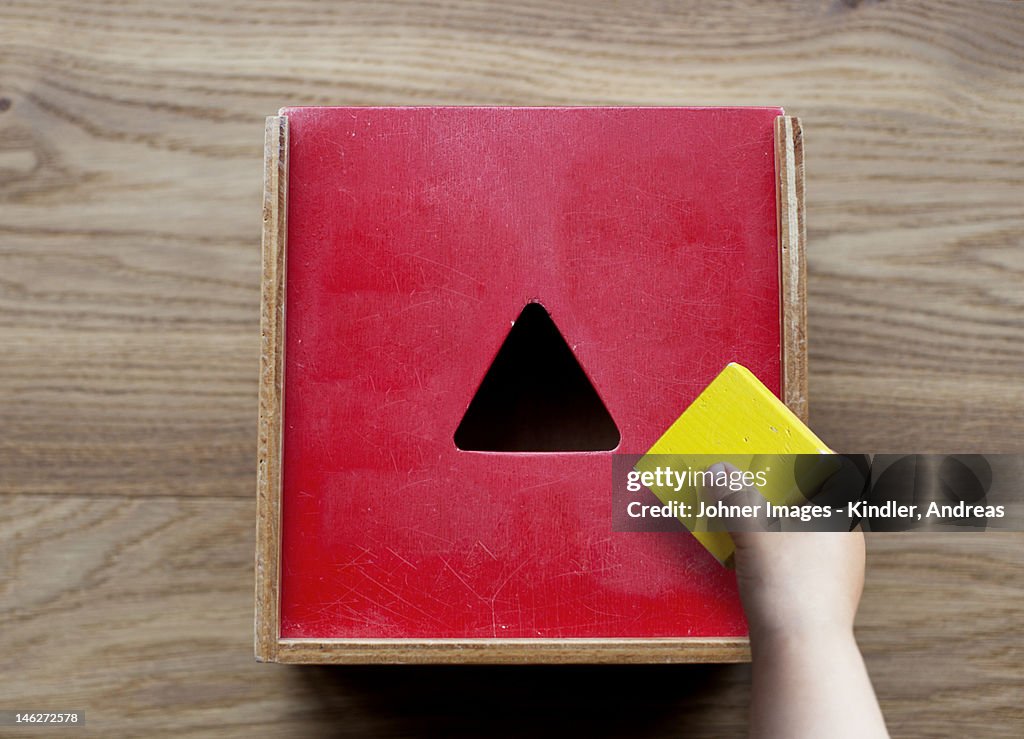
[(737, 420)]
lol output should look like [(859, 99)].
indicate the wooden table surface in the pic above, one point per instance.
[(130, 174)]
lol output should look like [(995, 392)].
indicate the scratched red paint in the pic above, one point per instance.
[(415, 236)]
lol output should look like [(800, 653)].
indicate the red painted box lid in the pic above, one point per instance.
[(416, 237)]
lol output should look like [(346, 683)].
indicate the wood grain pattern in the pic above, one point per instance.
[(130, 172), (789, 166), (271, 387), (695, 650)]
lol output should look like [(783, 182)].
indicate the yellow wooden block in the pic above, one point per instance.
[(737, 420)]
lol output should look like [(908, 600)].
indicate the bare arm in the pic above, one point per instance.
[(800, 592)]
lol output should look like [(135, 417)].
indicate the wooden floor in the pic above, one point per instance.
[(130, 145)]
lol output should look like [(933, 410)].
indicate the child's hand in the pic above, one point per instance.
[(792, 582), (800, 582), (800, 591)]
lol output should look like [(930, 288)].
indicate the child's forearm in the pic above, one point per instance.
[(812, 684)]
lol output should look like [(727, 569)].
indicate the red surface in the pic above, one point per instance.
[(415, 236)]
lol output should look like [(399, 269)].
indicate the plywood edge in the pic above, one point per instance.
[(692, 650), (271, 388), (789, 168)]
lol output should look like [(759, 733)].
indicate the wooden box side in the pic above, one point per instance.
[(269, 646), (271, 388), (789, 168)]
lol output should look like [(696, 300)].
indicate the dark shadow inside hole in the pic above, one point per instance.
[(535, 397)]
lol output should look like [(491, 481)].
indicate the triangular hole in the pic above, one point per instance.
[(536, 397)]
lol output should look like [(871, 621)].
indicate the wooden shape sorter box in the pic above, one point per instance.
[(623, 256)]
